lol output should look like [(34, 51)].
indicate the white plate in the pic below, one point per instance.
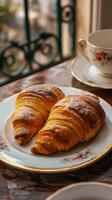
[(88, 74), (79, 157), (84, 191)]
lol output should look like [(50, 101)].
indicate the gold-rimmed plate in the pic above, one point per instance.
[(81, 156)]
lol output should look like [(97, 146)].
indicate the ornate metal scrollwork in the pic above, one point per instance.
[(42, 52), (12, 60), (45, 49), (19, 60), (67, 13)]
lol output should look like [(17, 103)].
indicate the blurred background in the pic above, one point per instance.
[(37, 34)]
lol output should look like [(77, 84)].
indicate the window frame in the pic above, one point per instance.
[(101, 15)]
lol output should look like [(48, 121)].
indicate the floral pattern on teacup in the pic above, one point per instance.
[(102, 57)]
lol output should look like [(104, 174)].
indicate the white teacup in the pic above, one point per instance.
[(98, 50)]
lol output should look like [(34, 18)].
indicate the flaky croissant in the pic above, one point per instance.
[(72, 120), (32, 109)]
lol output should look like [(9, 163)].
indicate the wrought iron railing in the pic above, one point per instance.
[(42, 44)]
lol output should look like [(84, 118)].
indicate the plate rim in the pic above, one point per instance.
[(75, 185), (85, 82), (63, 169)]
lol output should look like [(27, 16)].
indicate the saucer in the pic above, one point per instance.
[(88, 74)]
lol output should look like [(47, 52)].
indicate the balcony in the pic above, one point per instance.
[(37, 34)]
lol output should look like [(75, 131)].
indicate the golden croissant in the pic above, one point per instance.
[(32, 109), (72, 120)]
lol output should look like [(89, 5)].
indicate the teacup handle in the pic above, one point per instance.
[(82, 45)]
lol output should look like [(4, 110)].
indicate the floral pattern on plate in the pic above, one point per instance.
[(79, 156), (3, 144)]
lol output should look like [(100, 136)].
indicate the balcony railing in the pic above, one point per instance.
[(47, 47)]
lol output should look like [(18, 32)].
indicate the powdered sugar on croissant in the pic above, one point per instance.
[(72, 120), (32, 109)]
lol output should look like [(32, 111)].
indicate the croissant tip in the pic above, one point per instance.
[(33, 150), (19, 141)]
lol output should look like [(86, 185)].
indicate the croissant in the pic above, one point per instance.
[(32, 109), (74, 119)]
